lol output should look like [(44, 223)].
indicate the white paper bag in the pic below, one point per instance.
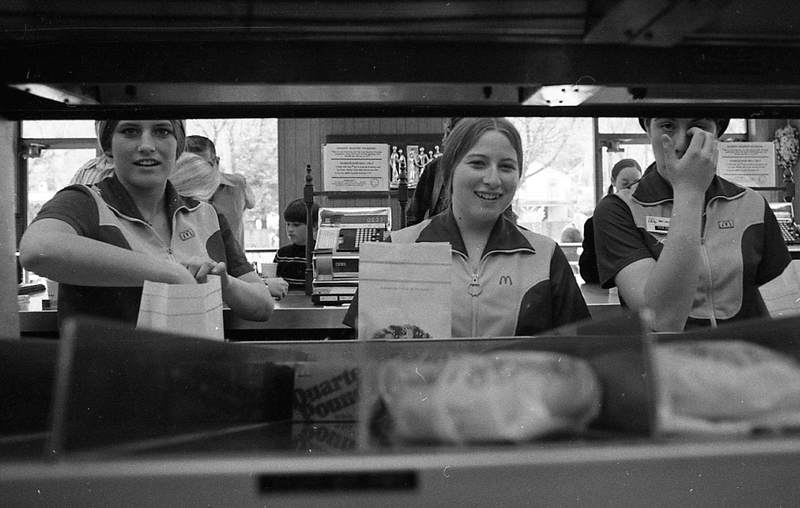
[(404, 290), (184, 309)]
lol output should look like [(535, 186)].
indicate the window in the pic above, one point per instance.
[(54, 150), (557, 186), (248, 146)]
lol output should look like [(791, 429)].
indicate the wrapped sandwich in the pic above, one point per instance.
[(511, 396), (726, 386)]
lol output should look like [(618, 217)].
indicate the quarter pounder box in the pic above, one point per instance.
[(325, 392)]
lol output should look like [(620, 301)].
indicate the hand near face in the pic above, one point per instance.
[(694, 169)]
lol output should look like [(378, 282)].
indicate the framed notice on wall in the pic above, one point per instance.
[(748, 163), (362, 167), (415, 150)]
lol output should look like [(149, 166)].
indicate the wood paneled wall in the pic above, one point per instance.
[(300, 143)]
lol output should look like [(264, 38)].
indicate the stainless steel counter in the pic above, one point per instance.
[(726, 472), (295, 317)]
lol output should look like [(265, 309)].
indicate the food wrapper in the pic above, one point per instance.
[(726, 387), (489, 397)]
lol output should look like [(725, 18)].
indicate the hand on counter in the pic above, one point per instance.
[(277, 287)]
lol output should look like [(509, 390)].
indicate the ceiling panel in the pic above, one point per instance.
[(84, 58)]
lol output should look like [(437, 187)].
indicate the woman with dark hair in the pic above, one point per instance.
[(102, 242), (506, 280), (427, 200), (625, 173)]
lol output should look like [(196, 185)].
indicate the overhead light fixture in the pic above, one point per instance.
[(561, 95)]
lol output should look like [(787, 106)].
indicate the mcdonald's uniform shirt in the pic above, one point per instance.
[(742, 244), (105, 212), (526, 283)]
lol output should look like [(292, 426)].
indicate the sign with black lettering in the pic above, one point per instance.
[(325, 392)]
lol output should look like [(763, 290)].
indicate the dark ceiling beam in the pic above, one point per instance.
[(341, 62), (662, 23)]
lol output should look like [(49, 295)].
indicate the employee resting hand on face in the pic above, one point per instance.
[(506, 280), (102, 242), (687, 245)]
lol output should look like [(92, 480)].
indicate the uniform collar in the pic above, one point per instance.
[(653, 188), (505, 235), (117, 197)]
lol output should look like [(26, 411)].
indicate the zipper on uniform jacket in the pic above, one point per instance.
[(474, 290), (707, 264)]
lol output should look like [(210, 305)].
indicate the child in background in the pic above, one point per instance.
[(291, 259)]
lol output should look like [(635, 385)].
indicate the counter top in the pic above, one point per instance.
[(295, 317), (308, 468)]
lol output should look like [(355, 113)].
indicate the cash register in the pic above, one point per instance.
[(783, 212), (335, 257)]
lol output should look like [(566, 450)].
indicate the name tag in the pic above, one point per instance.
[(656, 224)]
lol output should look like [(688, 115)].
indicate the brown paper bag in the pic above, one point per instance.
[(185, 309)]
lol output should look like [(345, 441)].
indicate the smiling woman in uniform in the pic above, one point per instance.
[(506, 280), (101, 242)]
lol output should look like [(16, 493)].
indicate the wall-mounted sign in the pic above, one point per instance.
[(415, 151), (362, 167), (748, 163)]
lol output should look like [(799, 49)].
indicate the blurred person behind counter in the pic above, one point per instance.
[(625, 173), (233, 196), (195, 177), (684, 243), (101, 242), (481, 165)]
